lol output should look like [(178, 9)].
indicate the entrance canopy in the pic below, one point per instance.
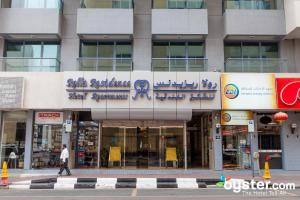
[(142, 114)]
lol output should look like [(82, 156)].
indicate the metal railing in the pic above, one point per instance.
[(263, 65), (107, 4), (17, 64), (179, 64), (179, 4), (253, 4), (105, 64), (32, 4)]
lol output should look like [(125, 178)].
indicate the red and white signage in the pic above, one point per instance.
[(49, 118), (288, 93)]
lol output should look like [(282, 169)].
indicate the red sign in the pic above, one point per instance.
[(288, 93)]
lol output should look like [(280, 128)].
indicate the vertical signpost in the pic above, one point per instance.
[(251, 130)]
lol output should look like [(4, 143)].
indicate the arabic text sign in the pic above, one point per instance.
[(236, 117), (288, 93), (114, 89), (248, 91), (11, 92)]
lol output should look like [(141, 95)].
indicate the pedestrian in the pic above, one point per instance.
[(64, 158)]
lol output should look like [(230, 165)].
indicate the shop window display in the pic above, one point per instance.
[(13, 139), (46, 146)]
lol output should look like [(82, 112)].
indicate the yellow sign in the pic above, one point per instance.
[(248, 91), (236, 117), (114, 154), (171, 154)]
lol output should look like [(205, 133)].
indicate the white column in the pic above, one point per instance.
[(28, 140)]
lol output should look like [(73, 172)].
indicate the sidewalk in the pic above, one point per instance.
[(278, 176)]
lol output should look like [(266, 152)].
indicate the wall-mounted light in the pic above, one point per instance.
[(293, 128)]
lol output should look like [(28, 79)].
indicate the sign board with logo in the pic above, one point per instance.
[(251, 127), (49, 117), (288, 93), (248, 91), (11, 92), (236, 117), (142, 95)]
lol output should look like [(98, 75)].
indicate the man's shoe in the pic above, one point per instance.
[(58, 175), (69, 174)]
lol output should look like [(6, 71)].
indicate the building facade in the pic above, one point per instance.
[(189, 84)]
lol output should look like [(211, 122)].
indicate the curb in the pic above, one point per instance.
[(113, 183)]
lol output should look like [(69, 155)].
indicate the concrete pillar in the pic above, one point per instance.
[(142, 36), (28, 140), (65, 139), (217, 142), (254, 143), (1, 132)]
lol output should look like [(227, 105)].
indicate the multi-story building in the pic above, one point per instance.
[(150, 83)]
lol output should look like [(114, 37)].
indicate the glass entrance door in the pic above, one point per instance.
[(142, 147)]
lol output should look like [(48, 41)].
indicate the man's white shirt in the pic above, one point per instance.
[(64, 154)]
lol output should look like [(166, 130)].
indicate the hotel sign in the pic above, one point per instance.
[(113, 89), (11, 92)]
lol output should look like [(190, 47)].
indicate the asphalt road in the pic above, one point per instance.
[(129, 194)]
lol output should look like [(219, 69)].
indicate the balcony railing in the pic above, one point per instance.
[(105, 64), (179, 4), (263, 65), (253, 4), (32, 4), (107, 4), (179, 64), (29, 64)]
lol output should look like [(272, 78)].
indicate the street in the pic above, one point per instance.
[(126, 194)]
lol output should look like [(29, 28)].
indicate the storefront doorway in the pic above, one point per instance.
[(140, 144)]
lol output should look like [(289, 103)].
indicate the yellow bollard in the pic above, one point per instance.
[(4, 175), (267, 174)]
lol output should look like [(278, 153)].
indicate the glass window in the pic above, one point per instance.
[(46, 145), (195, 50), (269, 50), (177, 50), (106, 50), (88, 49), (236, 147), (13, 139), (161, 50), (123, 50), (14, 50), (250, 50), (176, 4), (51, 51), (233, 51)]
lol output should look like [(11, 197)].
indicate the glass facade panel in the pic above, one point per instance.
[(253, 4), (46, 145), (179, 4), (178, 56), (33, 3), (236, 147), (32, 56), (13, 139), (106, 56)]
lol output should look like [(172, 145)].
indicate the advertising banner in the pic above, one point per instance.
[(11, 92), (288, 93), (248, 91), (49, 117), (236, 117)]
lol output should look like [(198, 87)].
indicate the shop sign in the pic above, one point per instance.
[(236, 117), (248, 91), (80, 88), (49, 117), (11, 92), (288, 93)]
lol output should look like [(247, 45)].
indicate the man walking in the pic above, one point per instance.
[(64, 158)]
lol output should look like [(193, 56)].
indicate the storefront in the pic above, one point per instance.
[(137, 120)]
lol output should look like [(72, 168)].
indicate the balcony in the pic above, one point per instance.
[(106, 19), (256, 65), (19, 64), (292, 18), (24, 19), (191, 19), (179, 64), (105, 64), (249, 19)]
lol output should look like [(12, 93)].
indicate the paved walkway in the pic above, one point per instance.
[(277, 175)]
